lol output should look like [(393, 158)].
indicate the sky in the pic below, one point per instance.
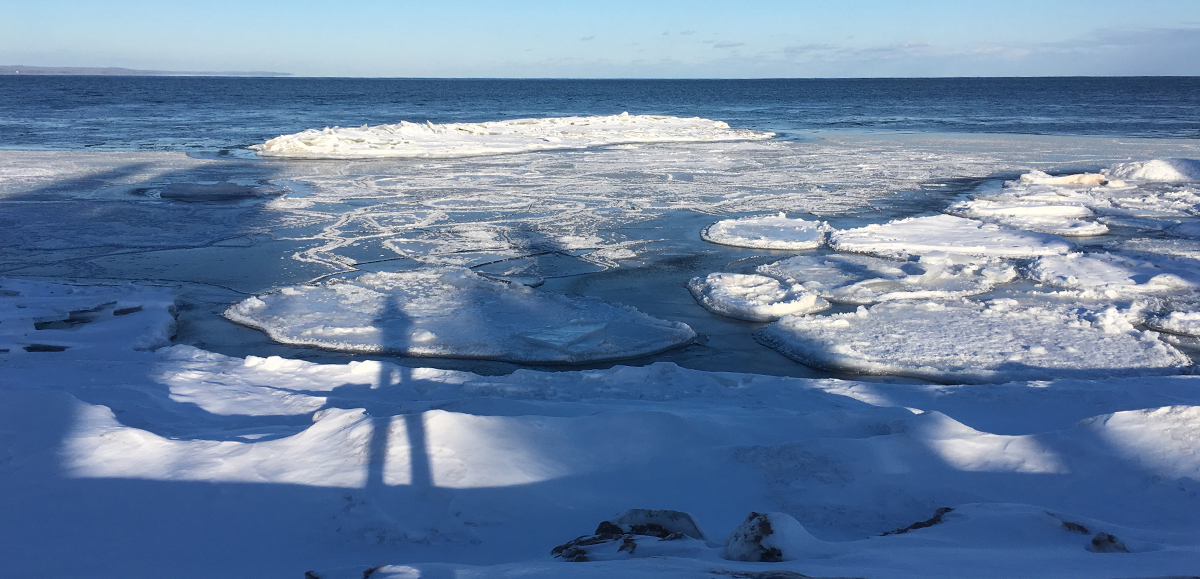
[(614, 38)]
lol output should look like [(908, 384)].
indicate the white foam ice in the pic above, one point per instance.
[(452, 312), (1183, 323), (89, 321), (754, 298), (1163, 170), (1113, 273), (1066, 219), (862, 279), (945, 234), (767, 232), (428, 140), (964, 341)]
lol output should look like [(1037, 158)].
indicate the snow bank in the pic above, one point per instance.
[(754, 298), (452, 312), (405, 139), (1165, 441), (946, 234), (861, 279), (970, 342), (39, 318), (767, 232), (1107, 272), (1168, 170)]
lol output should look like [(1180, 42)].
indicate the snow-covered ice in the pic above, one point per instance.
[(1157, 170), (1068, 220), (755, 298), (1184, 323), (945, 234), (862, 279), (968, 341), (767, 232), (416, 140), (1108, 272), (453, 312)]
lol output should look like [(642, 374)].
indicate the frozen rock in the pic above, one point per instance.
[(1106, 543), (1107, 272), (963, 341), (768, 232), (770, 538), (407, 139), (751, 297), (452, 312), (861, 279), (1183, 323), (946, 234), (1169, 170), (656, 522), (637, 533)]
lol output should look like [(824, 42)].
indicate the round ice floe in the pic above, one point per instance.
[(1063, 219), (861, 279), (452, 312), (946, 234), (1107, 272), (407, 140), (962, 341), (767, 232), (755, 298), (1168, 170), (1184, 323)]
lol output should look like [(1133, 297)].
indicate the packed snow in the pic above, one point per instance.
[(862, 279), (452, 312), (974, 342), (754, 298), (945, 234), (767, 232), (416, 140), (1183, 323)]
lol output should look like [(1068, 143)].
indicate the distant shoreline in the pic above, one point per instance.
[(16, 70)]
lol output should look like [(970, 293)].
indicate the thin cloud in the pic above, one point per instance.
[(728, 44), (587, 38), (688, 32)]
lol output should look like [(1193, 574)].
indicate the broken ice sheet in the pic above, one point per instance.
[(452, 312)]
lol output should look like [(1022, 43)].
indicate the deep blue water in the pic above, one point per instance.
[(211, 114)]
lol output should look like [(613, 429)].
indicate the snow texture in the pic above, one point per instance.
[(768, 232), (861, 279), (452, 312), (754, 298), (1183, 323), (946, 234), (413, 140), (963, 341)]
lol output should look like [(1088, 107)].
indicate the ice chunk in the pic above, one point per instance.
[(972, 342), (1184, 323), (1169, 170), (755, 298), (767, 232), (861, 279), (1065, 219), (407, 139), (1107, 272), (1042, 178), (452, 312), (948, 234)]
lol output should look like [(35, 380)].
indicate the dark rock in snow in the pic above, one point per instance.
[(629, 531), (1106, 543), (935, 519), (769, 538)]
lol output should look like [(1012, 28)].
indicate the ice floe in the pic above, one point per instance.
[(1113, 273), (973, 342), (945, 234), (755, 298), (767, 232), (1067, 220), (1183, 323), (416, 140), (452, 312), (1168, 170), (862, 279)]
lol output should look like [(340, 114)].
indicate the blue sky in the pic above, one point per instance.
[(616, 38)]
